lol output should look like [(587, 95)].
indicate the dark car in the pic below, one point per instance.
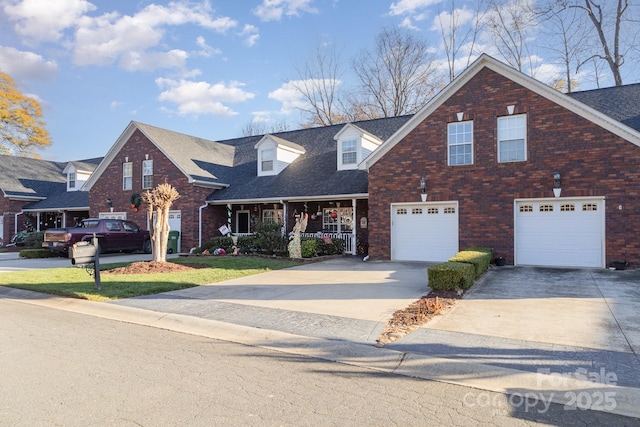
[(114, 235)]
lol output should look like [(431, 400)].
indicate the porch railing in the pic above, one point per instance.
[(349, 240)]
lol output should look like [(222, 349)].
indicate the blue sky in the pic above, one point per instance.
[(202, 67)]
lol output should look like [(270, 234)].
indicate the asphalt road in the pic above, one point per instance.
[(63, 368)]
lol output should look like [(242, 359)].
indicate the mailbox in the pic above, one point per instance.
[(82, 253)]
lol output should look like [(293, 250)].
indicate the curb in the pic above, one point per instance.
[(574, 393)]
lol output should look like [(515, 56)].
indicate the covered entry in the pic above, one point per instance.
[(424, 231), (560, 232)]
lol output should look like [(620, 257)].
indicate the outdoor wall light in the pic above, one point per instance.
[(556, 184), (109, 202), (423, 188)]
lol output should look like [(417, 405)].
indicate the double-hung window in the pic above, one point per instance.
[(147, 173), (349, 152), (127, 176), (272, 216), (267, 157), (72, 180), (512, 138), (460, 143)]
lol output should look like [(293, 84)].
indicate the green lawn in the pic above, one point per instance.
[(76, 282)]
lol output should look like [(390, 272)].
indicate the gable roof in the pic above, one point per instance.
[(572, 103), (189, 154), (26, 178), (88, 165), (312, 174)]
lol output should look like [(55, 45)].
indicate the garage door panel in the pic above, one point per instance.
[(561, 233), (424, 232)]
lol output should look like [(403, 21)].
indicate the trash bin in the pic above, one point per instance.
[(172, 243)]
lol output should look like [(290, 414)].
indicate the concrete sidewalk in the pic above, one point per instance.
[(503, 336)]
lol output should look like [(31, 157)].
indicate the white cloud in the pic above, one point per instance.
[(197, 98), (110, 37), (291, 98), (206, 50), (272, 10), (410, 6), (22, 66), (251, 34), (45, 20)]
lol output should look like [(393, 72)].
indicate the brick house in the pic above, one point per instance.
[(544, 178), (39, 194), (241, 182)]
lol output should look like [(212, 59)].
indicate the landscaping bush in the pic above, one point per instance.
[(480, 258), (214, 243), (34, 239), (309, 248), (37, 253), (335, 247), (247, 244), (451, 276), (269, 239)]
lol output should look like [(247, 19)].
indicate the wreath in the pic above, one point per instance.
[(135, 200)]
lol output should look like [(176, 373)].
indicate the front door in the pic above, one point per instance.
[(242, 222)]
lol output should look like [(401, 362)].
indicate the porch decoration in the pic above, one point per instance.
[(334, 214), (295, 248), (135, 201)]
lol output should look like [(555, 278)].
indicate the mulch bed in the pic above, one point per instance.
[(418, 313)]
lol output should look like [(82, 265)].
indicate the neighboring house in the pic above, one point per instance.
[(40, 194), (241, 182), (543, 178)]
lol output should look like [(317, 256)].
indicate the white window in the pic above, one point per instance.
[(267, 155), (127, 176), (272, 216), (337, 220), (349, 152), (72, 180), (147, 173), (512, 141), (460, 143)]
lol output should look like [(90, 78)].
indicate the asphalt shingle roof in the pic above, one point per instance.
[(27, 177), (314, 173), (621, 103)]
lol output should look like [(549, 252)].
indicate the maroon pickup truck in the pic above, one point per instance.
[(114, 235)]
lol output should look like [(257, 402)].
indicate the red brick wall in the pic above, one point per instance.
[(592, 161), (109, 185)]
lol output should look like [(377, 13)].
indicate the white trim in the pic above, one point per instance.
[(485, 61)]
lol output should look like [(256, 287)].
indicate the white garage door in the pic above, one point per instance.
[(560, 232), (424, 232)]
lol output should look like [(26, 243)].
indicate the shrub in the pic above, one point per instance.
[(214, 243), (480, 258), (336, 247), (37, 253), (34, 239), (247, 244), (269, 238), (451, 276), (309, 248)]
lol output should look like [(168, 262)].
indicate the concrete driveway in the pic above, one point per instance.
[(597, 309)]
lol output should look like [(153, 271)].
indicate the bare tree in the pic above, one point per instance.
[(159, 201), (511, 24), (397, 77), (262, 128), (459, 37), (608, 25), (319, 79)]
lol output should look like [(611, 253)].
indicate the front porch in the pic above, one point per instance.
[(344, 219)]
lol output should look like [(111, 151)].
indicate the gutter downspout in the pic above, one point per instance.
[(200, 209)]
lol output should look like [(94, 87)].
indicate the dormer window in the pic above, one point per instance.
[(267, 157), (275, 154), (353, 146), (349, 152)]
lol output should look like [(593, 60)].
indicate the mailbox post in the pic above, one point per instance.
[(85, 253)]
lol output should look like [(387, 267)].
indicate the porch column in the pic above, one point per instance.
[(229, 218), (354, 227)]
